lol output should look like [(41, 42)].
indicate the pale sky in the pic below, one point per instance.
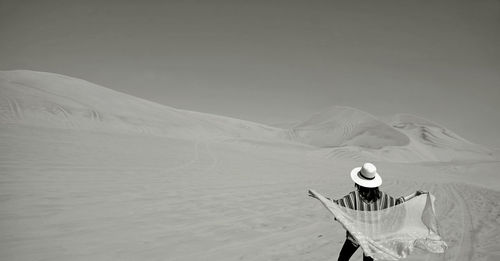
[(275, 61)]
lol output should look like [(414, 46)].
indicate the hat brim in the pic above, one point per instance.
[(367, 183)]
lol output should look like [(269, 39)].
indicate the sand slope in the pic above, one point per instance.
[(76, 188), (57, 101)]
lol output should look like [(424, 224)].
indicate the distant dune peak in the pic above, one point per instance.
[(340, 126), (406, 120), (429, 131)]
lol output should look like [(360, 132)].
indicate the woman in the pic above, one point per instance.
[(366, 197)]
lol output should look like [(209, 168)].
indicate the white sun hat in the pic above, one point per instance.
[(366, 176)]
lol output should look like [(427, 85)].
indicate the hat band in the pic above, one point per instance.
[(365, 176)]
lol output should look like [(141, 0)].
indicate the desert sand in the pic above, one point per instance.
[(88, 173)]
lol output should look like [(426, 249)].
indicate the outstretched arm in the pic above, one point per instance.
[(312, 195)]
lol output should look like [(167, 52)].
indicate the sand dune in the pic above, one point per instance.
[(350, 133), (57, 101), (439, 141), (344, 126), (87, 173)]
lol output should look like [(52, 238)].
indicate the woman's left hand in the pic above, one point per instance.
[(312, 195)]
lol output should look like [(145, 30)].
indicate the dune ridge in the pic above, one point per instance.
[(57, 101), (347, 132)]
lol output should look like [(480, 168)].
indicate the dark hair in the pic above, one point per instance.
[(368, 194)]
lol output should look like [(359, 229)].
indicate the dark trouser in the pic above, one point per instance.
[(348, 250)]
